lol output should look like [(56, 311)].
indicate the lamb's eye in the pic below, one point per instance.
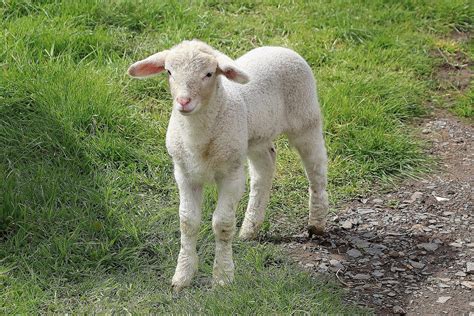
[(209, 74), (169, 72)]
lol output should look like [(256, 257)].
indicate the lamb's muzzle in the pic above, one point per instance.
[(225, 111)]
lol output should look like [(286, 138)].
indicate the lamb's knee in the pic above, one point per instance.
[(188, 223), (224, 228)]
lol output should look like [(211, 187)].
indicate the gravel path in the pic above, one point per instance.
[(410, 250)]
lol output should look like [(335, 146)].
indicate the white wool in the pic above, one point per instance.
[(232, 115)]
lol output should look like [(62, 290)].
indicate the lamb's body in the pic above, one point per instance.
[(234, 122), (279, 98)]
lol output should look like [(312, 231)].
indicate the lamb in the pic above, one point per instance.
[(225, 111)]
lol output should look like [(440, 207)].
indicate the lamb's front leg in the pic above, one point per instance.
[(230, 187), (190, 200)]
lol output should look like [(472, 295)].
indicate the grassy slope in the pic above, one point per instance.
[(88, 217)]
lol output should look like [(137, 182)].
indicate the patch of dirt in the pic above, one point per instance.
[(410, 250)]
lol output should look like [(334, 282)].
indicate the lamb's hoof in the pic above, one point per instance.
[(222, 281), (315, 230), (180, 282), (246, 234)]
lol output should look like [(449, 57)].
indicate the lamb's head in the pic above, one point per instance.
[(192, 68)]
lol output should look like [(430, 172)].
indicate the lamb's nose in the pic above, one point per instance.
[(183, 101)]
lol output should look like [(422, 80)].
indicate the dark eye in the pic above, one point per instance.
[(169, 72), (209, 74)]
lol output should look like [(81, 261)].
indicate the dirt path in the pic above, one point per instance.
[(410, 250)]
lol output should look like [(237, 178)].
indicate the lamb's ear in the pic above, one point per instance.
[(229, 69), (148, 67)]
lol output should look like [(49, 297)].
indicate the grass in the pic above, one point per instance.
[(88, 206)]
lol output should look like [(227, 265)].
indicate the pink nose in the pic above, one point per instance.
[(183, 101)]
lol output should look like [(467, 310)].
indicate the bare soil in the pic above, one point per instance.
[(409, 250)]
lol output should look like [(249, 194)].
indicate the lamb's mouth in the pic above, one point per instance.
[(186, 110)]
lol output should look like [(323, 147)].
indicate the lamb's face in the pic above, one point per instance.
[(192, 68), (192, 78)]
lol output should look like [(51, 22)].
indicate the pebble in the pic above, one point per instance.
[(460, 274), (377, 201), (363, 211), (354, 253), (392, 294), (361, 276), (428, 246), (470, 267), (336, 263), (455, 245), (468, 284), (417, 265), (398, 310), (443, 299), (347, 224)]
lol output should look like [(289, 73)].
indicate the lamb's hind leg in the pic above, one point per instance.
[(261, 169), (311, 148)]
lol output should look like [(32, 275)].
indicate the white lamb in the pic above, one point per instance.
[(225, 111)]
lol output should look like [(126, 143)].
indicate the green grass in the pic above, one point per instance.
[(88, 206)]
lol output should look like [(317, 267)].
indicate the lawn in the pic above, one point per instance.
[(88, 205)]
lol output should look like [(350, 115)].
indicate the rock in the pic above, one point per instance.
[(467, 284), (443, 299), (347, 224), (398, 310), (470, 267), (354, 253), (361, 276), (363, 211), (336, 263), (428, 246), (417, 265), (378, 273), (309, 265), (377, 201), (425, 131), (455, 245), (392, 294), (415, 196), (439, 198), (460, 274)]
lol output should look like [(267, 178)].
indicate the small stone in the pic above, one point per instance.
[(392, 294), (398, 310), (361, 276), (309, 265), (443, 299), (425, 131), (467, 284), (417, 265), (378, 273), (439, 198), (448, 213), (364, 211), (455, 245), (460, 274), (377, 201), (336, 263), (470, 267), (347, 224), (471, 304), (354, 253), (415, 196), (428, 246)]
